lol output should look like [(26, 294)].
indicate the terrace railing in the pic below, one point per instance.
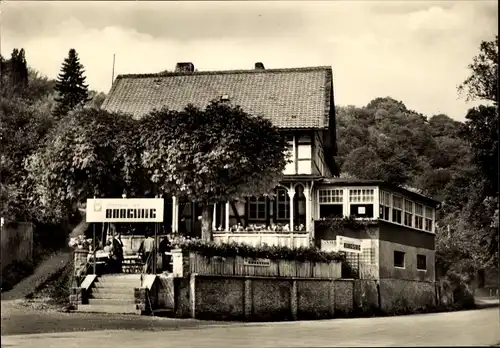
[(292, 239)]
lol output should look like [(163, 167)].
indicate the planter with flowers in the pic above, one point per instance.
[(274, 261), (81, 249)]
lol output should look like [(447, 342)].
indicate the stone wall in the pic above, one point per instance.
[(262, 298), (402, 295), (266, 298), (366, 297)]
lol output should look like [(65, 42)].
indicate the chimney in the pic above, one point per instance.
[(259, 66), (184, 67)]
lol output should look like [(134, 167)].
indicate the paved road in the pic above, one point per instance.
[(477, 327)]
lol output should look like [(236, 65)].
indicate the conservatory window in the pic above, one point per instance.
[(428, 219), (408, 213), (397, 209), (385, 205), (419, 216)]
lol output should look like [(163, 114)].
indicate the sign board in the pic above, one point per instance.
[(347, 244), (361, 210), (328, 245), (125, 210), (257, 262)]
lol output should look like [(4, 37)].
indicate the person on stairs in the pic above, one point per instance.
[(147, 250)]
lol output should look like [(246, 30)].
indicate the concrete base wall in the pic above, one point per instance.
[(366, 296), (261, 298), (397, 295), (265, 298)]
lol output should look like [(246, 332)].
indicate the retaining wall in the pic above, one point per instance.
[(257, 298)]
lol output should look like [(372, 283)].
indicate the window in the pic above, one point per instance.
[(361, 210), (330, 203), (419, 216), (290, 167), (331, 210), (282, 204), (331, 196), (257, 208), (361, 202), (428, 219), (361, 196), (385, 205), (397, 209), (304, 153), (408, 213), (399, 259), (421, 262)]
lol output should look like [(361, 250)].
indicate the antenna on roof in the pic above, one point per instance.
[(113, 73)]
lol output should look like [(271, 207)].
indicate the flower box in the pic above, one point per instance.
[(215, 265), (304, 269), (287, 268)]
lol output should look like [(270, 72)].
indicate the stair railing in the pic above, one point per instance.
[(144, 271)]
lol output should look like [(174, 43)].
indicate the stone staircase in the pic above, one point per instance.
[(113, 293)]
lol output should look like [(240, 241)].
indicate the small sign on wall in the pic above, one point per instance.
[(257, 262), (328, 245), (361, 210), (350, 245)]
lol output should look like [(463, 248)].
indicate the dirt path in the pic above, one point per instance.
[(44, 270), (28, 285)]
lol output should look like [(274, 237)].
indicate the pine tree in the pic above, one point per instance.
[(70, 85)]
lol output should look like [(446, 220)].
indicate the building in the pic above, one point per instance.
[(300, 101)]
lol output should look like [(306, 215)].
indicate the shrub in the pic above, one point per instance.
[(210, 249), (14, 273)]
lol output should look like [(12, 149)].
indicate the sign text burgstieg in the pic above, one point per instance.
[(130, 213), (352, 246), (125, 210)]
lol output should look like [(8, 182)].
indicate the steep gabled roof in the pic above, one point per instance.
[(290, 98)]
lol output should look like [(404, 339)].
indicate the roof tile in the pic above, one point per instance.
[(290, 98)]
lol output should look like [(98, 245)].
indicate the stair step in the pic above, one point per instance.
[(112, 301), (113, 296), (116, 309), (113, 290), (110, 286)]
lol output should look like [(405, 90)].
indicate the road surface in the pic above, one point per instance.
[(26, 328)]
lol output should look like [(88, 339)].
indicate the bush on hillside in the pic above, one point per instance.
[(14, 273)]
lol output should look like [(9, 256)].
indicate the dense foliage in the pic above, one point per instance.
[(454, 162), (213, 155), (51, 162), (89, 153), (26, 101)]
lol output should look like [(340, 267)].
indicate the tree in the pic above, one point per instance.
[(70, 86), (214, 155), (14, 73), (89, 153), (483, 82), (96, 99), (24, 127), (481, 132)]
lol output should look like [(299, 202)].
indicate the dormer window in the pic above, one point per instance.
[(224, 97)]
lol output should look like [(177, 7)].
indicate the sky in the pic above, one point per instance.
[(413, 51)]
